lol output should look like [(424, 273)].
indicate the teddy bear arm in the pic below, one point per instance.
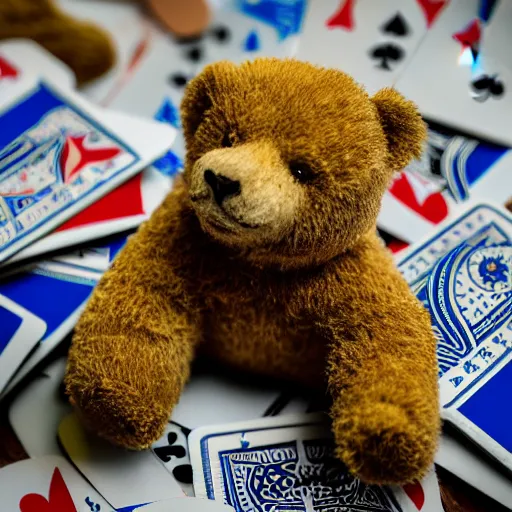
[(382, 374), (133, 345)]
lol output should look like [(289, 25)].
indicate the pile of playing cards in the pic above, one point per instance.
[(80, 170)]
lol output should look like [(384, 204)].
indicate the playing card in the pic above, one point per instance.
[(22, 57), (288, 463), (184, 505), (58, 158), (466, 463), (122, 477), (119, 210), (35, 412), (371, 40), (451, 85), (496, 38), (210, 397), (462, 275), (452, 169), (68, 280), (20, 332), (48, 484)]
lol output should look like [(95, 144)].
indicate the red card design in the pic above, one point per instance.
[(431, 9), (416, 494), (59, 498), (124, 201), (343, 17), (7, 70), (420, 195), (469, 37)]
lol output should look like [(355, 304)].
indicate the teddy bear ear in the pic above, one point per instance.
[(405, 130), (200, 92)]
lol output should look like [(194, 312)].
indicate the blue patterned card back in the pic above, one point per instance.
[(55, 159), (463, 276)]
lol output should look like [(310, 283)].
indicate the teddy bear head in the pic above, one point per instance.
[(287, 162)]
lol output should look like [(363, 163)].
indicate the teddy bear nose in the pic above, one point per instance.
[(221, 186)]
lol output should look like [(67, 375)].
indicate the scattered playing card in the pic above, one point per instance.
[(288, 463), (185, 505), (122, 477), (452, 169), (21, 331), (123, 208), (47, 484), (462, 274), (210, 397), (69, 280), (36, 412), (25, 57), (371, 40), (450, 82)]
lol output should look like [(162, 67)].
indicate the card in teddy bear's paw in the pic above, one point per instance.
[(462, 274), (288, 463)]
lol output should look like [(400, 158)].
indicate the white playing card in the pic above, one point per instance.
[(496, 37), (458, 458), (150, 192), (122, 477), (439, 78), (211, 398), (36, 412), (274, 462), (185, 505), (47, 484), (20, 332), (69, 280), (371, 40), (60, 158), (30, 58)]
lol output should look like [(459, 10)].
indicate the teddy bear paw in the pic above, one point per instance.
[(119, 413), (381, 444)]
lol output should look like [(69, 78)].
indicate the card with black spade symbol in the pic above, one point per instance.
[(456, 81), (374, 41)]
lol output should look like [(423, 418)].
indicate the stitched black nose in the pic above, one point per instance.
[(222, 187)]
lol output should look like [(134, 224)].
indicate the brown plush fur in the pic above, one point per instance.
[(282, 278), (85, 48)]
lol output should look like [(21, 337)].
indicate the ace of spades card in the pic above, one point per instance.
[(371, 40), (455, 81)]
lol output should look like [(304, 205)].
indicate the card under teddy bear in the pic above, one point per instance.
[(462, 274)]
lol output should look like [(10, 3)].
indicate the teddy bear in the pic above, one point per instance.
[(265, 256), (84, 47)]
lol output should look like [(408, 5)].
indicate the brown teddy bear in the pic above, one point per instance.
[(266, 257), (85, 48)]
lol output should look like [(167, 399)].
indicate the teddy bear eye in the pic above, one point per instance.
[(301, 171), (227, 141)]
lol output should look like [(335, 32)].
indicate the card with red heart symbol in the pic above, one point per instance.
[(48, 484)]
